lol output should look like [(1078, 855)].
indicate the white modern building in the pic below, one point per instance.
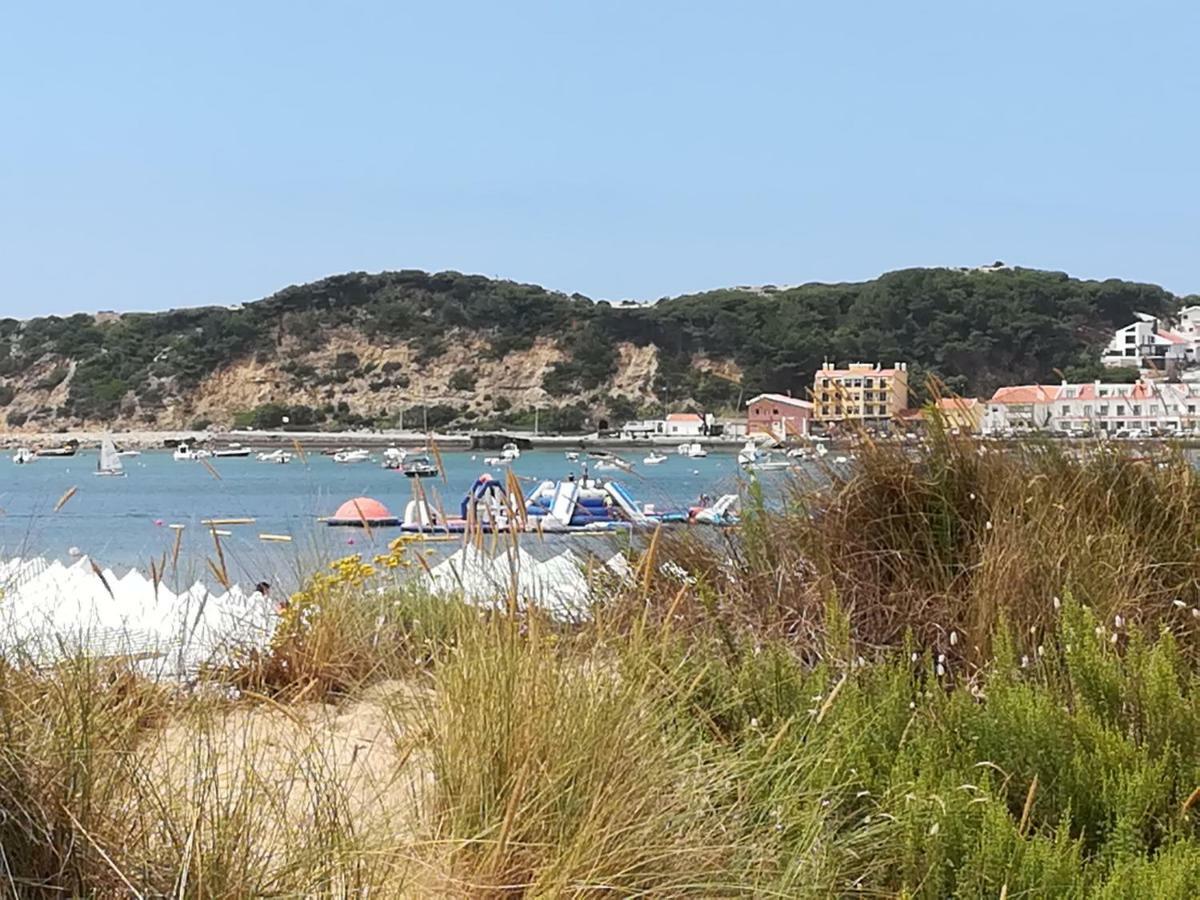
[(1149, 344)]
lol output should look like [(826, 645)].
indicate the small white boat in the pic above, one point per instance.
[(753, 459), (125, 454), (692, 450), (572, 455), (509, 452), (352, 456), (233, 451), (393, 458), (420, 466), (654, 459), (799, 453), (110, 461), (23, 456), (185, 453), (278, 457)]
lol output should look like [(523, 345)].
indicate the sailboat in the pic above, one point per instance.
[(110, 461)]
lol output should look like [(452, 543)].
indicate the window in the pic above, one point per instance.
[(1130, 338), (774, 412), (1130, 351), (1191, 409), (1087, 410), (1066, 410), (1104, 409), (1120, 411), (1137, 409)]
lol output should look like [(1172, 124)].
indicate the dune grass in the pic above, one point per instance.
[(961, 673)]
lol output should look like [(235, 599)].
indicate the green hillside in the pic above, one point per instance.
[(973, 329)]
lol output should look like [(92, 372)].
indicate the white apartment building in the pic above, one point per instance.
[(1097, 407)]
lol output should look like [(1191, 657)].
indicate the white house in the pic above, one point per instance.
[(1149, 344), (686, 425), (674, 425), (1095, 407), (1025, 407)]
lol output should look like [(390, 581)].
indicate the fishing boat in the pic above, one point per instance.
[(110, 461), (352, 456), (23, 456), (692, 450), (279, 457), (186, 453), (655, 458), (393, 458), (420, 466), (233, 451)]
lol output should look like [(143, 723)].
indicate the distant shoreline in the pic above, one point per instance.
[(326, 440)]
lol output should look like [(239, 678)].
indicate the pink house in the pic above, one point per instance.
[(778, 415)]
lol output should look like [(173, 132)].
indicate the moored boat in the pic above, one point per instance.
[(420, 466), (233, 451), (186, 453)]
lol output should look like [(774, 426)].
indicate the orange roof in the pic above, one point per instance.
[(684, 417), (1173, 338), (1025, 393)]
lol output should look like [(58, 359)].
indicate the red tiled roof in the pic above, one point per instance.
[(1025, 393), (1173, 338), (684, 417)]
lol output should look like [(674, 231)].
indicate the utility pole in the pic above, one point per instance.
[(536, 413)]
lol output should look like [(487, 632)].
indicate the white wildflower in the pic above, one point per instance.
[(1119, 621), (934, 829), (941, 670), (1024, 662), (1179, 604), (1041, 651), (953, 638), (1057, 603)]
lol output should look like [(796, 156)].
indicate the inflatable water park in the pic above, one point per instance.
[(490, 505)]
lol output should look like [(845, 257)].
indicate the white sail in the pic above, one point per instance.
[(110, 461)]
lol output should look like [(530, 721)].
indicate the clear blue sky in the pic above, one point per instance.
[(166, 154)]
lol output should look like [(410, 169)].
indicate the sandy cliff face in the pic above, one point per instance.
[(345, 367)]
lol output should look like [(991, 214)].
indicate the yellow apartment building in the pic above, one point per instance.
[(863, 393)]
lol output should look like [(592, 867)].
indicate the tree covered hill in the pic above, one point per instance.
[(973, 329)]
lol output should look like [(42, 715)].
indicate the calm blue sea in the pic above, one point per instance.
[(125, 522)]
